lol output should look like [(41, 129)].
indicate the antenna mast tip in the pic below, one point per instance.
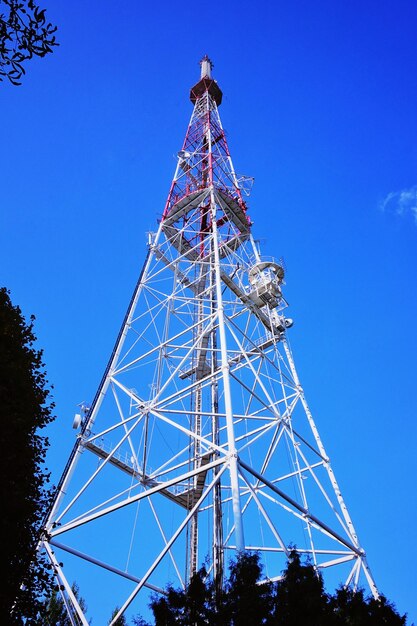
[(206, 67)]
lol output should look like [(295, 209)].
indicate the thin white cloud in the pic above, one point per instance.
[(402, 202)]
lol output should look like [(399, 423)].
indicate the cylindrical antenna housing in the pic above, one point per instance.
[(206, 67)]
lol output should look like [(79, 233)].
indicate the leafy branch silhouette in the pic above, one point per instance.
[(24, 33)]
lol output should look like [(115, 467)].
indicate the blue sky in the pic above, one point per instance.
[(319, 105)]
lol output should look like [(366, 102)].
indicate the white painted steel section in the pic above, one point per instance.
[(240, 542)]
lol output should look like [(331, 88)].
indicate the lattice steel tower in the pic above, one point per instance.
[(199, 442)]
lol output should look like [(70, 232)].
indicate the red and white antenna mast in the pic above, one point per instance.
[(199, 442)]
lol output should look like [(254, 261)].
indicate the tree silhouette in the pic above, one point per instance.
[(25, 408), (24, 33), (352, 608), (194, 605), (121, 621), (300, 597), (247, 599), (56, 613)]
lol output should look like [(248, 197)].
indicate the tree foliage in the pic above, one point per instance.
[(56, 614), (248, 599), (24, 33), (245, 600), (121, 621), (193, 605), (299, 596), (25, 409)]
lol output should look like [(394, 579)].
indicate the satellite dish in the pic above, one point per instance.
[(77, 421)]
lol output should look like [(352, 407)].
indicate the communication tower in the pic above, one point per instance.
[(199, 442)]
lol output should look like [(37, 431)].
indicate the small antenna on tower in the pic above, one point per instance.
[(206, 83), (206, 67)]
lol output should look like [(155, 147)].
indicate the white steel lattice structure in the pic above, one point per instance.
[(199, 441)]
